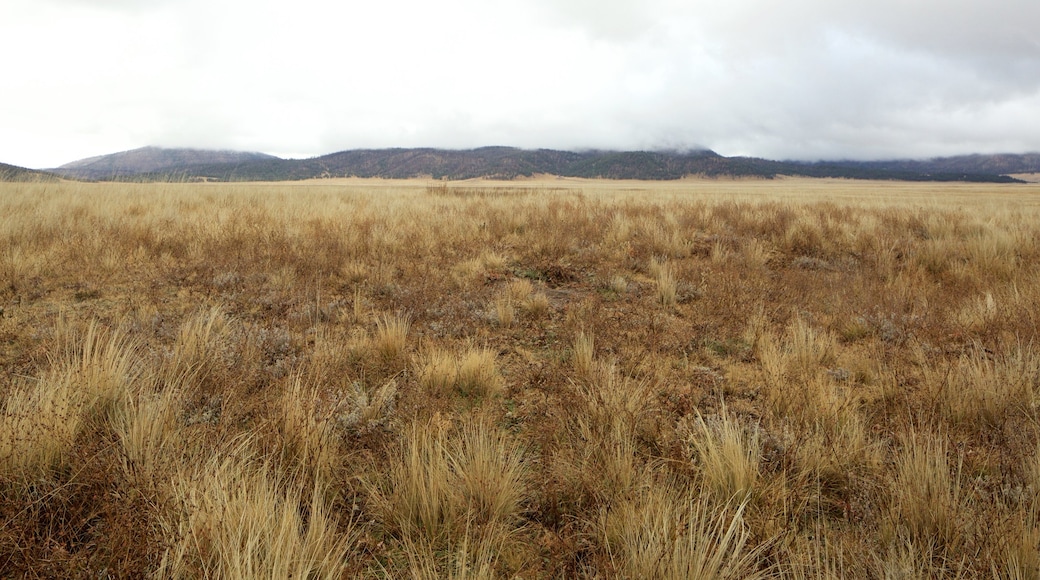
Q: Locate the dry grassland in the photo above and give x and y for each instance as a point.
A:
(536, 379)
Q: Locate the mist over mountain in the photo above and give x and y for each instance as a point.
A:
(156, 163)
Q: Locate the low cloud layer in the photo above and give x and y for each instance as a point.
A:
(804, 79)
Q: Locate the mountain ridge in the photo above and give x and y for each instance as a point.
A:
(157, 163)
(151, 160)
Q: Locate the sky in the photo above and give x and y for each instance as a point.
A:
(791, 79)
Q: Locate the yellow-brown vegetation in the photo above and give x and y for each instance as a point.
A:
(692, 379)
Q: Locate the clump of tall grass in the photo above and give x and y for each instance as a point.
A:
(505, 312)
(981, 389)
(668, 534)
(101, 364)
(478, 374)
(236, 519)
(612, 400)
(391, 338)
(791, 369)
(38, 426)
(149, 434)
(927, 502)
(469, 558)
(438, 483)
(490, 470)
(667, 287)
(90, 378)
(307, 426)
(438, 370)
(727, 454)
(519, 290)
(196, 354)
(536, 304)
(584, 350)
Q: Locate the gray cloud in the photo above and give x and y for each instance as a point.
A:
(797, 79)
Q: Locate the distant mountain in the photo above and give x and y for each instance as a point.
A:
(152, 160)
(15, 173)
(152, 164)
(998, 164)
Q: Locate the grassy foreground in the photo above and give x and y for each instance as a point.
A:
(696, 379)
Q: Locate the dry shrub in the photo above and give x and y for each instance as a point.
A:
(361, 408)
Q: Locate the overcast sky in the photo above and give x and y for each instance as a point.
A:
(791, 79)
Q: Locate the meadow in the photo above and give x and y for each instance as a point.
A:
(548, 378)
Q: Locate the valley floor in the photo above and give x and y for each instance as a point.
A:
(540, 378)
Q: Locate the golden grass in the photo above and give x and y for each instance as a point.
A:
(477, 373)
(584, 350)
(235, 520)
(728, 455)
(668, 536)
(538, 379)
(39, 426)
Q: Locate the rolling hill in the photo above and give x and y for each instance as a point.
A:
(15, 173)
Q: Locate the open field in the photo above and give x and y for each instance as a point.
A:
(540, 378)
